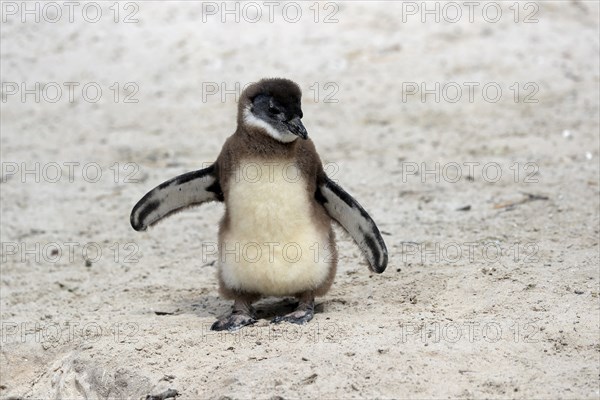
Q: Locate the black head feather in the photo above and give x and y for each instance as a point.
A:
(275, 108)
(286, 93)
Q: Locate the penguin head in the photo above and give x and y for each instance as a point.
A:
(272, 107)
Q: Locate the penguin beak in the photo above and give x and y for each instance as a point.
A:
(295, 126)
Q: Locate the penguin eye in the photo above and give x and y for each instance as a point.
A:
(273, 110)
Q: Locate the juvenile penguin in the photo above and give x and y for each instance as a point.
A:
(276, 236)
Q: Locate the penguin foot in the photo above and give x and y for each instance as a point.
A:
(233, 322)
(241, 315)
(302, 314)
(299, 317)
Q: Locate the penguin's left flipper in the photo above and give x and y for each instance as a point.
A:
(192, 188)
(355, 220)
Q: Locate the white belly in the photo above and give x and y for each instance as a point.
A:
(272, 245)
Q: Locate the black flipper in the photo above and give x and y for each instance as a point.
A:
(185, 190)
(356, 221)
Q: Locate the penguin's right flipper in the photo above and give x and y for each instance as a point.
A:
(192, 188)
(356, 221)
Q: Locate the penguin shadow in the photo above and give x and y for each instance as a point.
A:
(272, 307)
(212, 306)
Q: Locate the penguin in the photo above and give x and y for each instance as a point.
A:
(276, 236)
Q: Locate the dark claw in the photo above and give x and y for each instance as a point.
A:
(232, 322)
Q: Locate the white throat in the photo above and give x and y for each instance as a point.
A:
(251, 120)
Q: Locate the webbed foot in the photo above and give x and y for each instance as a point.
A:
(243, 314)
(301, 315)
(233, 322)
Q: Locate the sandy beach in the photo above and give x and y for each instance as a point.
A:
(469, 132)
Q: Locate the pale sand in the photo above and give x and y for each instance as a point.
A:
(523, 325)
